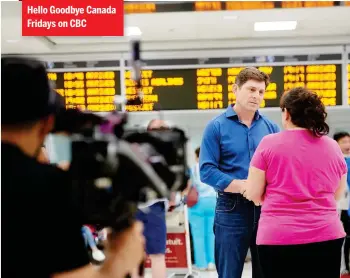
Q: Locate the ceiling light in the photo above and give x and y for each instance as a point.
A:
(132, 31)
(275, 26)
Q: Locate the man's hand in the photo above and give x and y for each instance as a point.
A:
(125, 252)
(235, 186)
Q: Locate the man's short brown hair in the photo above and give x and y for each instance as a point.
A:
(251, 73)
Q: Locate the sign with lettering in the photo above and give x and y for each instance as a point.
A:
(211, 87)
(175, 256)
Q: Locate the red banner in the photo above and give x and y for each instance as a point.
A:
(176, 256)
(72, 18)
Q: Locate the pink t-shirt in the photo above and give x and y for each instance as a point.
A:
(302, 175)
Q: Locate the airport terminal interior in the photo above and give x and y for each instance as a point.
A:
(191, 54)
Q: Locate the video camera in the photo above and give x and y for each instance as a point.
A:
(113, 169)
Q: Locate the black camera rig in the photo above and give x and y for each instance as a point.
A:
(113, 169)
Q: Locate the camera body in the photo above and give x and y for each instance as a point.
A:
(114, 169)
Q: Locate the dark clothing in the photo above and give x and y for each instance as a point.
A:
(345, 219)
(41, 229)
(320, 259)
(235, 228)
(154, 228)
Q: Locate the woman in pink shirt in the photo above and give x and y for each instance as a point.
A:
(297, 175)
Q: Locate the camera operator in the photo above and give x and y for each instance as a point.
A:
(37, 204)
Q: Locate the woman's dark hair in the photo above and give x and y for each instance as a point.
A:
(306, 110)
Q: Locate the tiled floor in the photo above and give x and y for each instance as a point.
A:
(247, 273)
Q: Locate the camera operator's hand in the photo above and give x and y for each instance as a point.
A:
(125, 252)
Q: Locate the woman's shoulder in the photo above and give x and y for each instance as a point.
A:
(330, 142)
(277, 142)
(272, 138)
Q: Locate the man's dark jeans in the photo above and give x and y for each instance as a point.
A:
(235, 227)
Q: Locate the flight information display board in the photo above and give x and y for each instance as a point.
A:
(88, 90)
(211, 88)
(198, 6)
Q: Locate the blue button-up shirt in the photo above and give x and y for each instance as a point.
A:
(228, 146)
(347, 161)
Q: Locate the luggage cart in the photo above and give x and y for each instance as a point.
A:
(178, 251)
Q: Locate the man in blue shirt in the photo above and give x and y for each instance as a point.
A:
(228, 144)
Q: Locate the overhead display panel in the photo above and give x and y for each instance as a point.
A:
(263, 59)
(88, 90)
(82, 64)
(198, 6)
(211, 87)
(193, 84)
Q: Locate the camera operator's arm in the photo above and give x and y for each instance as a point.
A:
(124, 253)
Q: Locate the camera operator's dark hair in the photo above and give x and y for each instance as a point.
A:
(197, 151)
(340, 135)
(306, 110)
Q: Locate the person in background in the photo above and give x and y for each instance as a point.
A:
(343, 140)
(201, 217)
(96, 253)
(298, 175)
(152, 215)
(228, 144)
